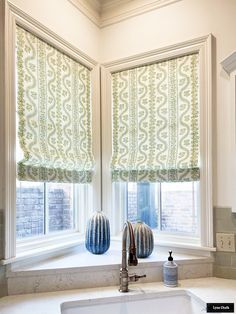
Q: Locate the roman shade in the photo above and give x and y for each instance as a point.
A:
(155, 113)
(54, 113)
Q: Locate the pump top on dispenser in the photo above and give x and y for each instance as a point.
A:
(170, 272)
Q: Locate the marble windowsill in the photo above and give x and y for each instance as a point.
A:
(84, 260)
(39, 251)
(210, 290)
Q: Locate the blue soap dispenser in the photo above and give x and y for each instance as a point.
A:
(170, 272)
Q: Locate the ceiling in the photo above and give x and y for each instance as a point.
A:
(106, 12)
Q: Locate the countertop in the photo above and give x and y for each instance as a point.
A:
(208, 289)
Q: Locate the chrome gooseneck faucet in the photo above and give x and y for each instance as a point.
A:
(132, 259)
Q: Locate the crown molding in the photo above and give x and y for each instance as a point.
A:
(109, 4)
(95, 4)
(121, 10)
(107, 12)
(90, 8)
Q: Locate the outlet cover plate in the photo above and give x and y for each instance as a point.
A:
(225, 242)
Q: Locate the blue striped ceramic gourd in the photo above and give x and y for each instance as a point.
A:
(143, 239)
(97, 239)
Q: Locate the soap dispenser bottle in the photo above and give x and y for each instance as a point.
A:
(170, 272)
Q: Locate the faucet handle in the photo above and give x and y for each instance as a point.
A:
(135, 277)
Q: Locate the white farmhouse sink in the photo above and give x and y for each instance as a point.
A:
(177, 302)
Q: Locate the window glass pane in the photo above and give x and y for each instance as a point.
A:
(169, 207)
(60, 206)
(179, 207)
(142, 199)
(29, 209)
(43, 208)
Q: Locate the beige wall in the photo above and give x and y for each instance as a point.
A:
(184, 20)
(63, 18)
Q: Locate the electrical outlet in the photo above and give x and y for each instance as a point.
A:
(225, 242)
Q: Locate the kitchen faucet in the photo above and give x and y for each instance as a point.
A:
(132, 259)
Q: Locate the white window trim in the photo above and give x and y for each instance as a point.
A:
(203, 46)
(229, 65)
(13, 16)
(233, 154)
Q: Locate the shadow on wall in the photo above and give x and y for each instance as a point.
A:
(3, 283)
(225, 262)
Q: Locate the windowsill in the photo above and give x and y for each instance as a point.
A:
(74, 254)
(45, 247)
(75, 241)
(81, 259)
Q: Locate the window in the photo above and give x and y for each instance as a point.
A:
(160, 147)
(46, 180)
(54, 151)
(54, 132)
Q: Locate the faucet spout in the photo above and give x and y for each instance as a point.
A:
(132, 260)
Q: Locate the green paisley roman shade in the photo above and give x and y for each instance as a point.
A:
(156, 122)
(54, 110)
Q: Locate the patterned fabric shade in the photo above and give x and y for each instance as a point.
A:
(54, 109)
(156, 122)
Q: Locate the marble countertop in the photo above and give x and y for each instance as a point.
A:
(208, 289)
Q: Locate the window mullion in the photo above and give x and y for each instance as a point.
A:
(159, 206)
(46, 209)
(119, 206)
(75, 206)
